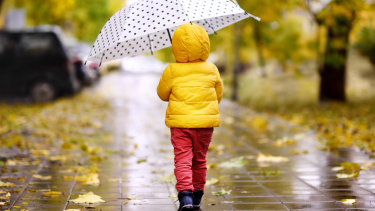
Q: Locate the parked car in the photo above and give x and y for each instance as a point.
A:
(86, 74)
(34, 63)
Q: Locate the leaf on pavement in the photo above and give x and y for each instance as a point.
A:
(141, 161)
(42, 152)
(88, 198)
(89, 179)
(166, 178)
(259, 123)
(212, 165)
(222, 192)
(270, 158)
(349, 201)
(368, 166)
(346, 176)
(285, 141)
(37, 176)
(212, 181)
(234, 163)
(134, 198)
(52, 193)
(5, 184)
(58, 158)
(338, 168)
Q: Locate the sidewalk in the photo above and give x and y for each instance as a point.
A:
(129, 179)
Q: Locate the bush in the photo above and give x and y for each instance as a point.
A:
(366, 42)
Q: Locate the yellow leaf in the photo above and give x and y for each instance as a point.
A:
(270, 158)
(88, 198)
(133, 198)
(338, 168)
(5, 184)
(58, 158)
(89, 179)
(52, 193)
(349, 201)
(285, 141)
(212, 181)
(42, 152)
(37, 176)
(259, 123)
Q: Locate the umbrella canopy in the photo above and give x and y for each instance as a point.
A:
(148, 25)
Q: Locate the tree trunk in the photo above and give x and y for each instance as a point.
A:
(258, 44)
(333, 71)
(1, 4)
(236, 51)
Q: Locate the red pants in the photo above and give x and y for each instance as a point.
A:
(190, 149)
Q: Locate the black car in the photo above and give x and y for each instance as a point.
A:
(34, 64)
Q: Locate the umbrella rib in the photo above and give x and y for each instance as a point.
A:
(210, 26)
(89, 53)
(101, 60)
(152, 53)
(169, 34)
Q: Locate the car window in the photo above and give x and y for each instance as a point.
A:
(39, 45)
(6, 49)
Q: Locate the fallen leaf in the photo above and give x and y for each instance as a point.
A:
(42, 152)
(52, 193)
(222, 192)
(259, 123)
(37, 176)
(346, 176)
(141, 161)
(349, 201)
(227, 202)
(58, 158)
(134, 198)
(285, 141)
(368, 165)
(270, 158)
(234, 163)
(166, 178)
(212, 166)
(212, 181)
(88, 198)
(338, 168)
(89, 179)
(5, 184)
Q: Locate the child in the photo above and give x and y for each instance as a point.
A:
(194, 89)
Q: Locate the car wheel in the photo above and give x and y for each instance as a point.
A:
(42, 92)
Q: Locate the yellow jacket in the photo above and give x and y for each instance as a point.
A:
(192, 86)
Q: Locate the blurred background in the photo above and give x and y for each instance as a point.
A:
(301, 53)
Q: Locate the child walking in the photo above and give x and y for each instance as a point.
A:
(194, 89)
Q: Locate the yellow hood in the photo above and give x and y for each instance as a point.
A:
(190, 43)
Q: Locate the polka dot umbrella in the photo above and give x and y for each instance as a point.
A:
(148, 25)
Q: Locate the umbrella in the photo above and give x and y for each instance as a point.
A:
(148, 25)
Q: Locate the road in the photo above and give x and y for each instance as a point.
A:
(304, 182)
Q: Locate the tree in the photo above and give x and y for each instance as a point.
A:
(86, 17)
(338, 17)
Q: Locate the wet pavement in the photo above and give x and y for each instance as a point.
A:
(129, 179)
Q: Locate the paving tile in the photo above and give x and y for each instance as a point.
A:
(313, 205)
(269, 206)
(305, 198)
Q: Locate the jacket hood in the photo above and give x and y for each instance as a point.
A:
(190, 43)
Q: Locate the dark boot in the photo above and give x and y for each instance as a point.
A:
(186, 200)
(197, 200)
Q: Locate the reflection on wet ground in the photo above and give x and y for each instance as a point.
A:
(305, 182)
